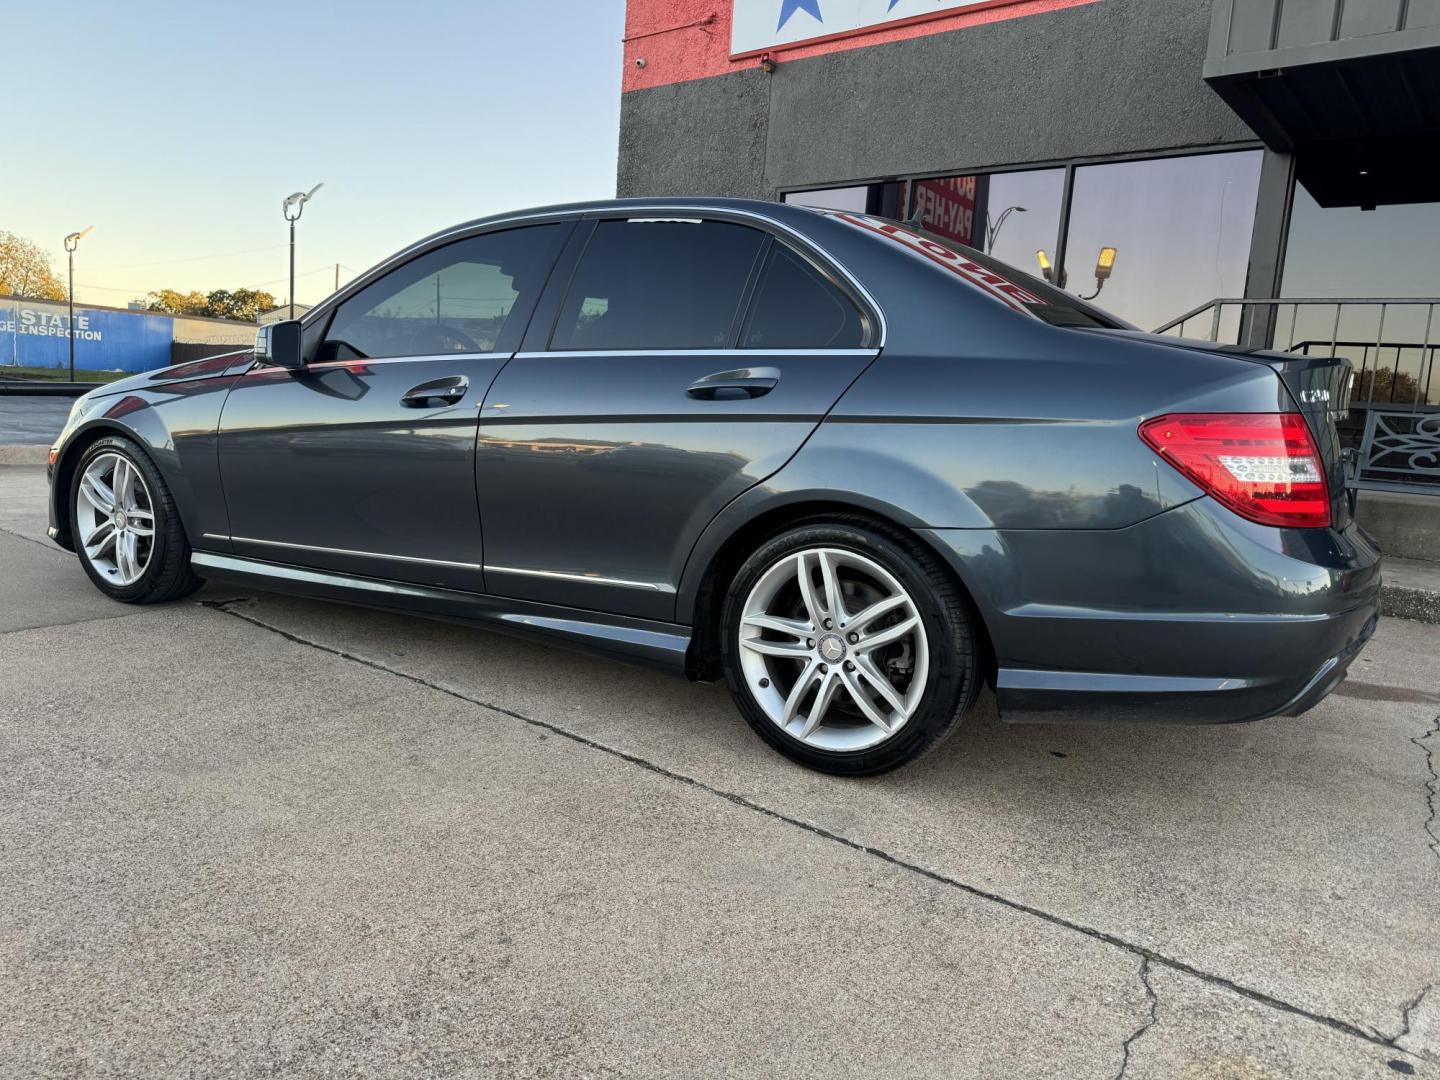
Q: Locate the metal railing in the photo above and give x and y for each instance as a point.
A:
(1395, 393)
(1262, 324)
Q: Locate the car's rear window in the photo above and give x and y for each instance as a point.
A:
(1013, 287)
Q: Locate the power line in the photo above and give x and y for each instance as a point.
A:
(195, 258)
(329, 268)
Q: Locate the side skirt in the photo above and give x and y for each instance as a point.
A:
(660, 645)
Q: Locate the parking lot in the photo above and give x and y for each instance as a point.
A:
(247, 835)
(33, 421)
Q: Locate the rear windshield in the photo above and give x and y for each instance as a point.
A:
(1014, 287)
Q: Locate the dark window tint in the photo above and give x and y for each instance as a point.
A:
(796, 308)
(456, 299)
(658, 285)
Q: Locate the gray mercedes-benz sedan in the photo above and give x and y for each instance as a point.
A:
(851, 468)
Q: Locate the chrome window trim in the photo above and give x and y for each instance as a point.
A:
(323, 309)
(261, 366)
(357, 554)
(589, 579)
(749, 354)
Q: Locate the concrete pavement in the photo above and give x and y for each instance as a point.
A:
(246, 835)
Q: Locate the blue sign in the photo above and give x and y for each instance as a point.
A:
(36, 334)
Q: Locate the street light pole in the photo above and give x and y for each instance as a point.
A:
(292, 208)
(996, 226)
(292, 264)
(71, 243)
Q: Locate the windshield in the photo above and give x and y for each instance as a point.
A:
(1003, 282)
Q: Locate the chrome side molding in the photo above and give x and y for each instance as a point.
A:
(638, 641)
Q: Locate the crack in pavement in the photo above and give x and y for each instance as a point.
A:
(1146, 954)
(31, 540)
(1150, 1021)
(1432, 786)
(74, 622)
(1410, 1007)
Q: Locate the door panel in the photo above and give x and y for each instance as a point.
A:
(328, 467)
(364, 461)
(597, 471)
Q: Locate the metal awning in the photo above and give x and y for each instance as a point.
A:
(1351, 87)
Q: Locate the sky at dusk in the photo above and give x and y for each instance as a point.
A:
(176, 129)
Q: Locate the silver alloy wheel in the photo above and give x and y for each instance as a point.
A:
(115, 519)
(818, 634)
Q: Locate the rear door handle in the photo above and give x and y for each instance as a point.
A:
(735, 385)
(434, 395)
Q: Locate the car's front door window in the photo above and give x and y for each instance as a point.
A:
(455, 299)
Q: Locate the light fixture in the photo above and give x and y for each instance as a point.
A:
(292, 208)
(1046, 270)
(1105, 265)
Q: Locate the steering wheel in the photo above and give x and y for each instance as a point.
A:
(442, 339)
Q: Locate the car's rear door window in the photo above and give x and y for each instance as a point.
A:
(658, 284)
(796, 308)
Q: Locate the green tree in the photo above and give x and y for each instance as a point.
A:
(176, 303)
(25, 270)
(244, 305)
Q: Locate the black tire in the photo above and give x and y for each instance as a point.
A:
(953, 679)
(168, 575)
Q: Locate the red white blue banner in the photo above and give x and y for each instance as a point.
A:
(766, 24)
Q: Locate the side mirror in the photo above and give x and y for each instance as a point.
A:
(280, 344)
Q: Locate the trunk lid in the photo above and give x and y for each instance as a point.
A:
(1320, 388)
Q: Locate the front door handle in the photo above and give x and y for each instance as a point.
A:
(437, 394)
(735, 385)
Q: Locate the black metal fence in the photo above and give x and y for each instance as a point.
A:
(1394, 418)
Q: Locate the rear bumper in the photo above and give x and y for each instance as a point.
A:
(1194, 616)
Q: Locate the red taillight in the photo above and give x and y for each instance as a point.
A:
(1264, 466)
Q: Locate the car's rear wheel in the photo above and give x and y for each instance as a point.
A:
(126, 529)
(848, 648)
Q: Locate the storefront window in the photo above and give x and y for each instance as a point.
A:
(853, 199)
(1009, 215)
(885, 199)
(1180, 229)
(1353, 253)
(1148, 240)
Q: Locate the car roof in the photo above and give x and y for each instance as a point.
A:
(761, 207)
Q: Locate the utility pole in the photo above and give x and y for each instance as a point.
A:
(337, 277)
(71, 243)
(292, 208)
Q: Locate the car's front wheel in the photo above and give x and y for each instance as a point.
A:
(848, 648)
(126, 529)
